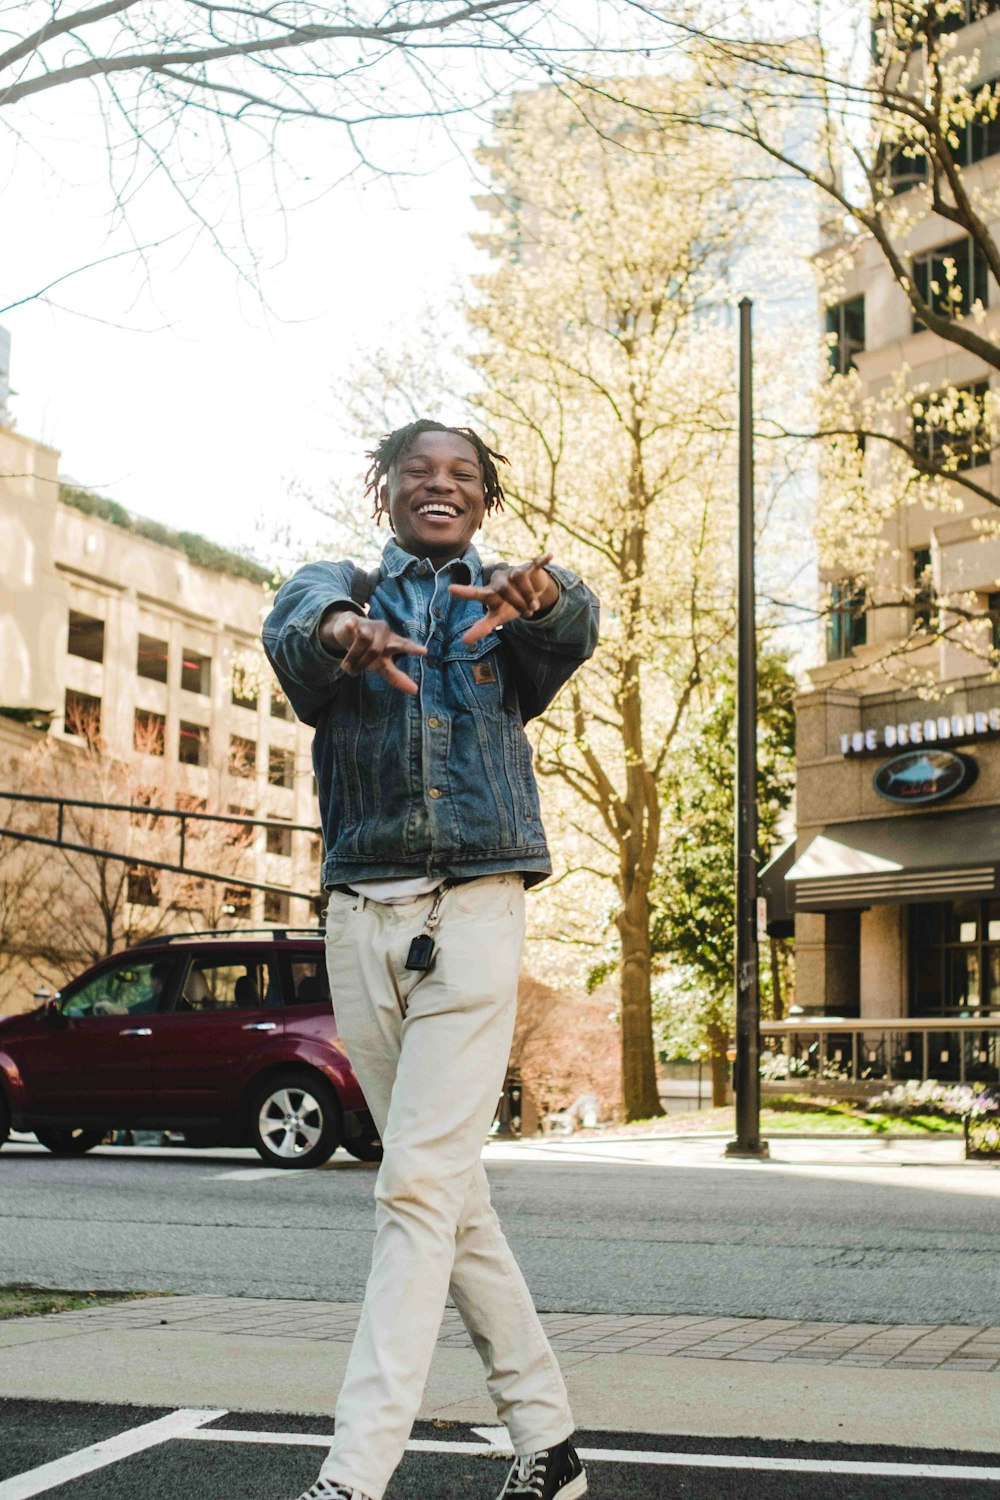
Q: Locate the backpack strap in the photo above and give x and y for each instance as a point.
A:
(363, 584)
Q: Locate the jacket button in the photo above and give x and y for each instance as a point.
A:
(434, 792)
(434, 722)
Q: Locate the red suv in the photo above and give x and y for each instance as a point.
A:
(229, 1037)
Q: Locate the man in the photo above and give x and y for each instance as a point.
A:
(432, 830)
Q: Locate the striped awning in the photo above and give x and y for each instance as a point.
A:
(912, 857)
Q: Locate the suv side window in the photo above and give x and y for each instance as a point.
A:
(129, 989)
(226, 982)
(306, 979)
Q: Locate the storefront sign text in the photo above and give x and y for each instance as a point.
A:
(943, 729)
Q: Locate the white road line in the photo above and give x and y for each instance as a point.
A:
(251, 1174)
(632, 1456)
(109, 1451)
(497, 1437)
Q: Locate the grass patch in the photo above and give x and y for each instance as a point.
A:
(796, 1114)
(21, 1301)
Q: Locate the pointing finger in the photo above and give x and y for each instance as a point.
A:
(398, 645)
(397, 679)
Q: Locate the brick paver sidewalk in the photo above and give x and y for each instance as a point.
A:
(767, 1340)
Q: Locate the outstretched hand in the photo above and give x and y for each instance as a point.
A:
(370, 646)
(512, 593)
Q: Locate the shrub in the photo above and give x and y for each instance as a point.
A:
(950, 1101)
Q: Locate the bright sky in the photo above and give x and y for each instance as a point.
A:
(203, 419)
(178, 393)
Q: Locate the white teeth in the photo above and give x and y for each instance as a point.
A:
(438, 510)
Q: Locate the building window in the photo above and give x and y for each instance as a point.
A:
(900, 166)
(239, 834)
(237, 901)
(143, 796)
(196, 672)
(276, 906)
(244, 688)
(152, 658)
(279, 841)
(192, 744)
(149, 735)
(242, 756)
(845, 324)
(923, 594)
(993, 609)
(280, 767)
(280, 706)
(86, 636)
(962, 14)
(925, 20)
(951, 278)
(142, 886)
(979, 138)
(955, 958)
(950, 432)
(847, 619)
(82, 715)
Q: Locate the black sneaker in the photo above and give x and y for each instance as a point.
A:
(543, 1476)
(325, 1489)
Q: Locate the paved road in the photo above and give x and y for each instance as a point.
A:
(665, 1229)
(157, 1454)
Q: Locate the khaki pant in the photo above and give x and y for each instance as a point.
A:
(430, 1051)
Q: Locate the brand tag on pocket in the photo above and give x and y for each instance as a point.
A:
(482, 672)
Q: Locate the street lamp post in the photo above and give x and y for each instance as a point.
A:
(747, 1069)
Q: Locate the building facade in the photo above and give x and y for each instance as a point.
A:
(113, 637)
(892, 883)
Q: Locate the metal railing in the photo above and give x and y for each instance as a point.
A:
(141, 810)
(829, 1054)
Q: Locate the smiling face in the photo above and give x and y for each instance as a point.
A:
(435, 496)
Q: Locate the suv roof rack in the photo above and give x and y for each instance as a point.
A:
(276, 933)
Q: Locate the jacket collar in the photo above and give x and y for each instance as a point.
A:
(396, 562)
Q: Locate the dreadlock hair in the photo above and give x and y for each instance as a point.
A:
(395, 445)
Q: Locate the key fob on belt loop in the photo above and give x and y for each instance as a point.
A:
(421, 952)
(422, 947)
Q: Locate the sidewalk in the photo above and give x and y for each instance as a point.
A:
(698, 1376)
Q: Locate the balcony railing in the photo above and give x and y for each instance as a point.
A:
(821, 1054)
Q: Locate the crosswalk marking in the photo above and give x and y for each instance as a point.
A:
(108, 1451)
(190, 1425)
(645, 1457)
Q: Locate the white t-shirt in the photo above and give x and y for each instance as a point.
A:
(395, 892)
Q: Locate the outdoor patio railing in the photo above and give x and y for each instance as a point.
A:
(817, 1053)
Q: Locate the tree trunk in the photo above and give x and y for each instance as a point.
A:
(718, 1041)
(779, 1003)
(640, 1095)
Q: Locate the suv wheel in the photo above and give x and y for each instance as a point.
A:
(69, 1141)
(4, 1118)
(294, 1120)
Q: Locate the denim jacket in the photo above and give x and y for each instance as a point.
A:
(441, 782)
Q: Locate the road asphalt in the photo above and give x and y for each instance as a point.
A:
(229, 1399)
(92, 1452)
(855, 1231)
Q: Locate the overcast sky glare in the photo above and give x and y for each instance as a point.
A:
(168, 384)
(182, 395)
